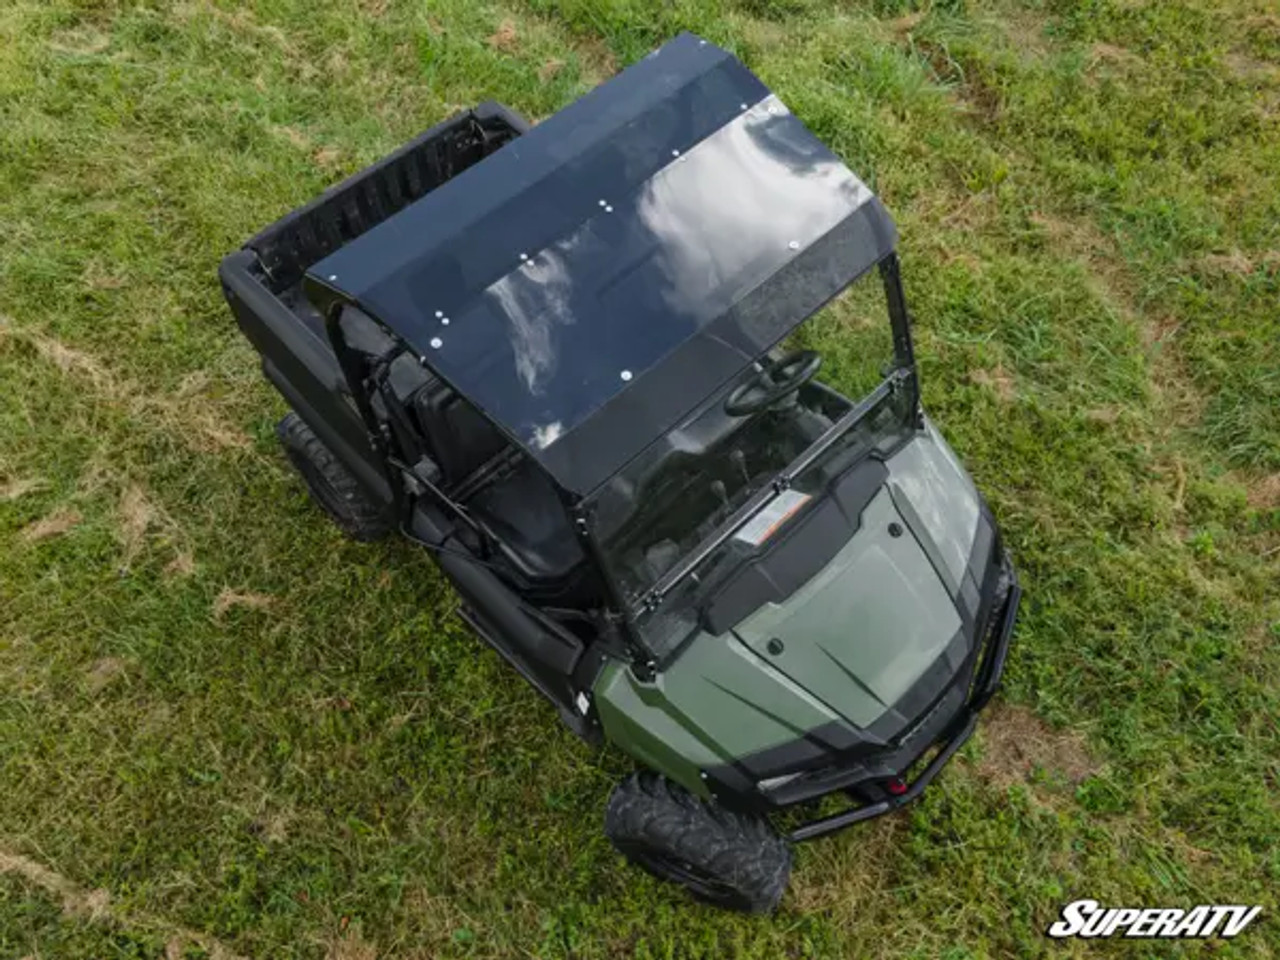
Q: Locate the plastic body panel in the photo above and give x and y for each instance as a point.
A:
(301, 365)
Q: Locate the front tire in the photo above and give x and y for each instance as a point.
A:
(730, 859)
(330, 483)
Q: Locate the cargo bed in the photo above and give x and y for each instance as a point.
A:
(262, 281)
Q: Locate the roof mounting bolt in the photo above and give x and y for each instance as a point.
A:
(702, 43)
(524, 257)
(794, 244)
(675, 153)
(436, 343)
(603, 203)
(702, 774)
(625, 375)
(444, 321)
(608, 209)
(439, 314)
(743, 106)
(333, 276)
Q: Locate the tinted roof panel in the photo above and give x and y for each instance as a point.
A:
(547, 345)
(598, 248)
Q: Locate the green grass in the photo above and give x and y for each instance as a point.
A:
(30, 918)
(230, 719)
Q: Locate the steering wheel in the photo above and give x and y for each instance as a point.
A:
(768, 386)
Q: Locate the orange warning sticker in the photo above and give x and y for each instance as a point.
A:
(771, 517)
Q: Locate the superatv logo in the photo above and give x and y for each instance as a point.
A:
(1087, 918)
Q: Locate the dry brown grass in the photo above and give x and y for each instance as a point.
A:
(350, 945)
(53, 525)
(599, 63)
(229, 599)
(19, 487)
(97, 906)
(505, 39)
(550, 70)
(190, 413)
(103, 673)
(998, 380)
(1016, 743)
(137, 514)
(183, 564)
(1264, 492)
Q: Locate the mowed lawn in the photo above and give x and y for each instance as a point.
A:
(225, 731)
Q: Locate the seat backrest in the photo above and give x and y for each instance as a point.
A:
(459, 437)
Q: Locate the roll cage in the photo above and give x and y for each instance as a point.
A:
(410, 472)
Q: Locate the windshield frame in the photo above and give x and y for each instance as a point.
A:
(902, 376)
(781, 481)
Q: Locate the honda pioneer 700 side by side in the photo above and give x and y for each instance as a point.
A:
(569, 361)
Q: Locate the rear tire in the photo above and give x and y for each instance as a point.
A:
(330, 483)
(730, 859)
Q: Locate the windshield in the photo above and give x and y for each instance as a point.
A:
(716, 470)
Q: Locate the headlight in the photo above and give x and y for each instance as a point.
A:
(773, 783)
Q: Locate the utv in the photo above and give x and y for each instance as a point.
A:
(553, 356)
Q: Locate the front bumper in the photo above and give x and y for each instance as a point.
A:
(872, 765)
(985, 682)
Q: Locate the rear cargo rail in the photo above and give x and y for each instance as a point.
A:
(287, 248)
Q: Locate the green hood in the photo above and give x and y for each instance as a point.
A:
(853, 639)
(866, 627)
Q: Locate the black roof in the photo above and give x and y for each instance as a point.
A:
(596, 279)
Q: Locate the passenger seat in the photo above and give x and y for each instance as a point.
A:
(523, 511)
(460, 439)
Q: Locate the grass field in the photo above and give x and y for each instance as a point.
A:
(225, 731)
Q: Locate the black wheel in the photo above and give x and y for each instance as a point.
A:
(330, 483)
(730, 859)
